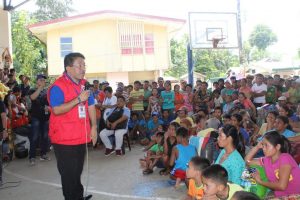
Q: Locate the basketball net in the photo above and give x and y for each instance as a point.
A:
(216, 41)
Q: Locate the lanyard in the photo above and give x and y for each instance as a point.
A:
(69, 78)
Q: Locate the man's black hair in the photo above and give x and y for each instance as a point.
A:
(200, 163)
(122, 97)
(182, 132)
(108, 89)
(217, 174)
(137, 82)
(69, 59)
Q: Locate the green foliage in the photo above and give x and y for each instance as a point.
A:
(26, 48)
(52, 9)
(178, 58)
(246, 51)
(262, 37)
(29, 53)
(212, 63)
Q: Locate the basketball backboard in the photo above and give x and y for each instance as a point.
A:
(213, 30)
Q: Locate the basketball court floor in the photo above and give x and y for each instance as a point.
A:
(108, 178)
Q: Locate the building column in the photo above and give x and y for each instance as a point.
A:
(5, 33)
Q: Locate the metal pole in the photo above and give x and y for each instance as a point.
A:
(190, 65)
(239, 30)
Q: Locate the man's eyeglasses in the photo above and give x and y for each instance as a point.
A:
(80, 66)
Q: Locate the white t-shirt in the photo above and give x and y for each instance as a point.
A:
(257, 89)
(109, 102)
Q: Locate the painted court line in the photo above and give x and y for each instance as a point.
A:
(90, 191)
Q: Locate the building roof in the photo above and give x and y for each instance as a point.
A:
(40, 29)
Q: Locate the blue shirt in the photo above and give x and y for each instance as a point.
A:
(151, 125)
(168, 98)
(234, 164)
(245, 136)
(57, 97)
(185, 154)
(288, 133)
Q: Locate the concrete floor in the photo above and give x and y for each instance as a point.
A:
(110, 178)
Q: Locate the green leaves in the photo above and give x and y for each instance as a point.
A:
(212, 63)
(262, 37)
(26, 48)
(29, 53)
(52, 9)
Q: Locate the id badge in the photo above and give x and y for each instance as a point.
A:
(81, 111)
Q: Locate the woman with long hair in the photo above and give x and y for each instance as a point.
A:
(281, 169)
(231, 155)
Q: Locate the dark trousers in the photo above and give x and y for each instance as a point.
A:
(70, 160)
(39, 132)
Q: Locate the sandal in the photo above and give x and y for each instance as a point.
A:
(163, 172)
(147, 171)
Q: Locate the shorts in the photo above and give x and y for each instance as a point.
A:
(179, 173)
(160, 164)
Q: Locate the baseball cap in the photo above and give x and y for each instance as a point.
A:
(154, 114)
(282, 98)
(39, 76)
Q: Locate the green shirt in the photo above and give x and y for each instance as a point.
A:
(147, 94)
(156, 148)
(271, 95)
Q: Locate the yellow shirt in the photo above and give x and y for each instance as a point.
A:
(233, 188)
(195, 191)
(137, 105)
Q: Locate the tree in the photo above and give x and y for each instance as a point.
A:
(214, 63)
(26, 48)
(178, 57)
(262, 37)
(208, 62)
(52, 9)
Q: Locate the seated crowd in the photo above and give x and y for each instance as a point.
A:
(206, 139)
(203, 139)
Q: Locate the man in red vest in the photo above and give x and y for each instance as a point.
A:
(72, 124)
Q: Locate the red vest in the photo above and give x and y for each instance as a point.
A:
(68, 128)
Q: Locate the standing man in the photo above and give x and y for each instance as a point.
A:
(70, 129)
(259, 91)
(39, 119)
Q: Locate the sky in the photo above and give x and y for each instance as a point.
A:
(282, 16)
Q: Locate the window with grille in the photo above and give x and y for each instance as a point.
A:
(66, 46)
(149, 43)
(131, 36)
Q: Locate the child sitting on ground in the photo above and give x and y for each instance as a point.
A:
(193, 173)
(182, 153)
(215, 184)
(169, 143)
(154, 154)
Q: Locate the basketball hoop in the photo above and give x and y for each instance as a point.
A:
(216, 41)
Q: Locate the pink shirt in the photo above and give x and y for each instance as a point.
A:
(272, 170)
(187, 103)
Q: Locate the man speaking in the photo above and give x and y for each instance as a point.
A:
(72, 110)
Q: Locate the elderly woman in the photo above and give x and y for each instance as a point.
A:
(230, 157)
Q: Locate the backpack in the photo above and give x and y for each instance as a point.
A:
(114, 116)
